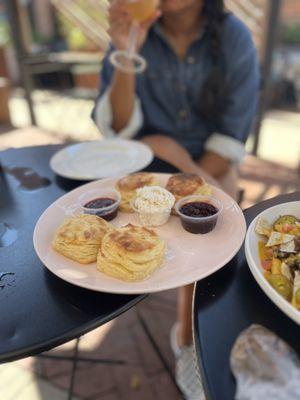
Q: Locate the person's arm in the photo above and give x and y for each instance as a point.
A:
(118, 108)
(112, 114)
(226, 146)
(214, 164)
(122, 99)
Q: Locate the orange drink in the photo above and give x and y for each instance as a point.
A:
(141, 10)
(128, 60)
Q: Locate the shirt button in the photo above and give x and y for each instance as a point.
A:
(183, 114)
(191, 60)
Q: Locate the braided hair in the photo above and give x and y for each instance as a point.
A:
(212, 95)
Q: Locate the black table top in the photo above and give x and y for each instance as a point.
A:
(227, 303)
(38, 310)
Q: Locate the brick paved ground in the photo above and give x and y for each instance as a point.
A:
(143, 376)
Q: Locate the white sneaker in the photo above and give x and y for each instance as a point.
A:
(186, 373)
(173, 340)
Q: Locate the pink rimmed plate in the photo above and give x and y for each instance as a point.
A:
(189, 257)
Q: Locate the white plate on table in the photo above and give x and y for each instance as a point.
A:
(101, 159)
(189, 257)
(252, 256)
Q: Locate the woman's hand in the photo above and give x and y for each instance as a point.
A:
(120, 23)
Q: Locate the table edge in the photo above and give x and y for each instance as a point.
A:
(259, 206)
(66, 337)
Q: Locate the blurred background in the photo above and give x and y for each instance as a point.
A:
(50, 59)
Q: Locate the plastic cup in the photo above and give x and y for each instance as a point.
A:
(199, 224)
(108, 212)
(156, 218)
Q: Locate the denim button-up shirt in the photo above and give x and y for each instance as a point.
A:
(170, 89)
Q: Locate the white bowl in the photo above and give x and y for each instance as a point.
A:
(251, 251)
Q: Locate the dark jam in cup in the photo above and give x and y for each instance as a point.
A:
(201, 216)
(108, 213)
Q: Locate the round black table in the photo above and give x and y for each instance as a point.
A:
(228, 302)
(38, 310)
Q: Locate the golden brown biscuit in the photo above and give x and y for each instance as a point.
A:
(132, 244)
(131, 253)
(79, 237)
(127, 187)
(182, 185)
(118, 271)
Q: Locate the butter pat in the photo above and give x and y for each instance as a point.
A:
(154, 205)
(153, 199)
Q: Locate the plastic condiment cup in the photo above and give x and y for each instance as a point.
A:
(154, 218)
(194, 224)
(107, 212)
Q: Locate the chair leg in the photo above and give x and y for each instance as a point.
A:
(83, 359)
(74, 367)
(157, 350)
(75, 362)
(241, 195)
(75, 359)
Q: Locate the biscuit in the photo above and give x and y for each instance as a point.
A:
(79, 237)
(127, 188)
(130, 253)
(182, 185)
(118, 271)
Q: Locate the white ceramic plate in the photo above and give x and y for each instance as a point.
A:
(101, 159)
(189, 257)
(251, 251)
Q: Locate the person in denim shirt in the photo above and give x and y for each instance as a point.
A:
(194, 105)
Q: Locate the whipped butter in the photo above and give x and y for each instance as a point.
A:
(153, 204)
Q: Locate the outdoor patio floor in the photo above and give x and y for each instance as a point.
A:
(142, 377)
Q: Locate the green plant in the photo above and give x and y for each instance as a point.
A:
(4, 33)
(291, 33)
(74, 37)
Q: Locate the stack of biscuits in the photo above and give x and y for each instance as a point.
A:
(128, 185)
(131, 253)
(79, 237)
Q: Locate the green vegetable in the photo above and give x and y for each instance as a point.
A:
(286, 219)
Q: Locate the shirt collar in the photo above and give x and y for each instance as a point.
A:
(157, 29)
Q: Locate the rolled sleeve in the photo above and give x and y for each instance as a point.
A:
(227, 147)
(103, 118)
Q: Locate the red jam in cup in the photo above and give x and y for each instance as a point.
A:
(102, 202)
(198, 214)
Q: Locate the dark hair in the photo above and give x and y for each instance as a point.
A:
(212, 95)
